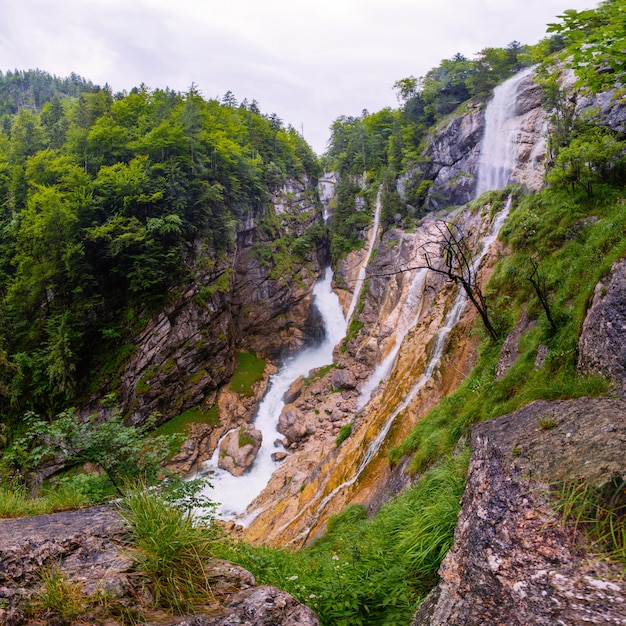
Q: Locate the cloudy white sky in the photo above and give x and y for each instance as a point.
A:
(308, 61)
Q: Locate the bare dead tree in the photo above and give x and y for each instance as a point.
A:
(538, 282)
(453, 257)
(450, 254)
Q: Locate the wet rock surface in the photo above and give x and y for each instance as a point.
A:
(513, 562)
(602, 345)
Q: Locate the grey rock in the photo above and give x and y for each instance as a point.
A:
(511, 562)
(510, 348)
(236, 458)
(602, 345)
(260, 606)
(343, 379)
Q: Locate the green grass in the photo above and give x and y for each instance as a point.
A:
(171, 552)
(179, 423)
(600, 513)
(250, 370)
(64, 496)
(370, 572)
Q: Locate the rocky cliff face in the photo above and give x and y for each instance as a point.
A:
(453, 152)
(513, 562)
(187, 350)
(401, 314)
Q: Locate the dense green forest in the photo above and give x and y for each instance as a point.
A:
(102, 197)
(103, 200)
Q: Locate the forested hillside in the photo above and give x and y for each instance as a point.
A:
(107, 202)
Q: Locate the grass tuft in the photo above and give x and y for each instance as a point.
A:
(170, 551)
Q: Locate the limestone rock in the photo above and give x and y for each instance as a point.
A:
(87, 544)
(239, 449)
(90, 547)
(511, 562)
(291, 423)
(602, 345)
(194, 451)
(259, 606)
(294, 391)
(510, 348)
(343, 379)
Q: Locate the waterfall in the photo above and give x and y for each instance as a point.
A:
(234, 494)
(370, 246)
(498, 160)
(498, 153)
(408, 318)
(450, 321)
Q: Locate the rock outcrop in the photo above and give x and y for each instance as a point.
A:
(188, 348)
(239, 449)
(90, 548)
(453, 152)
(513, 561)
(602, 344)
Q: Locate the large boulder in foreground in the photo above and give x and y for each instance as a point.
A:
(91, 549)
(512, 561)
(602, 345)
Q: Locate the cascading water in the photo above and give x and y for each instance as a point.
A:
(450, 321)
(370, 246)
(498, 158)
(408, 318)
(235, 493)
(498, 153)
(494, 173)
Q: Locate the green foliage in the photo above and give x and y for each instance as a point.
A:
(122, 452)
(244, 439)
(178, 425)
(249, 371)
(370, 572)
(599, 512)
(344, 432)
(594, 43)
(101, 199)
(170, 550)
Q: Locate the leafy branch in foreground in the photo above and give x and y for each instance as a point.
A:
(123, 453)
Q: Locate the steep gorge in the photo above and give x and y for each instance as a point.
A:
(412, 349)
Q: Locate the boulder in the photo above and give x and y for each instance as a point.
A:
(602, 345)
(291, 423)
(91, 548)
(343, 379)
(194, 451)
(512, 562)
(294, 391)
(258, 606)
(239, 449)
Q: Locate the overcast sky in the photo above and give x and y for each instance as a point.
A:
(309, 61)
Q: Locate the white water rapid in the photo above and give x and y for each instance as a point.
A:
(234, 494)
(498, 159)
(450, 321)
(498, 153)
(370, 247)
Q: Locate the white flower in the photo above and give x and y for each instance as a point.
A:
(294, 577)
